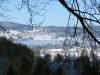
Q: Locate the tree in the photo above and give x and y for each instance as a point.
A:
(59, 58)
(11, 71)
(84, 12)
(83, 52)
(86, 16)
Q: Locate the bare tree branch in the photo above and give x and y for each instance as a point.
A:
(81, 19)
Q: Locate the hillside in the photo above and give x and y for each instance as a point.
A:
(59, 31)
(21, 30)
(47, 33)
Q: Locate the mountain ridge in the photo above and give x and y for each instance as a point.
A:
(60, 31)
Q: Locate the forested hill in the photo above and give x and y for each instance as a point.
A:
(49, 29)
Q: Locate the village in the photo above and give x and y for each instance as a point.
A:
(72, 52)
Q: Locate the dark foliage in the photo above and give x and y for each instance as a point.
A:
(59, 71)
(59, 58)
(27, 64)
(11, 71)
(42, 67)
(12, 50)
(88, 70)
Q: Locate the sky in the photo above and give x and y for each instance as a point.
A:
(56, 15)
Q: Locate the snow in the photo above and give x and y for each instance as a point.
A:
(14, 32)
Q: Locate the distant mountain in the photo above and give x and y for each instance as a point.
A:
(23, 27)
(59, 31)
(14, 26)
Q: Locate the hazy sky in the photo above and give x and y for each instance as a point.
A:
(56, 15)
